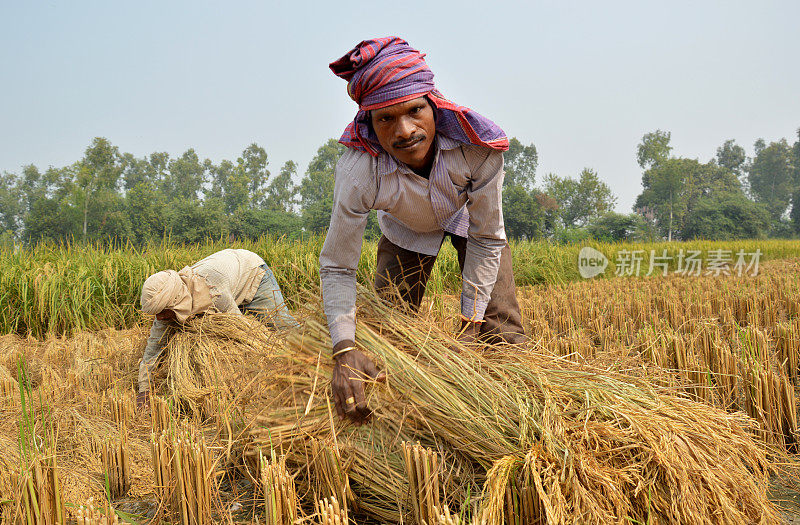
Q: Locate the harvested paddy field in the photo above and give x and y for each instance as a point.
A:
(636, 400)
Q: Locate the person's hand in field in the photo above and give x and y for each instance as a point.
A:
(351, 370)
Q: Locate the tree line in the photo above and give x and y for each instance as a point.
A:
(111, 196)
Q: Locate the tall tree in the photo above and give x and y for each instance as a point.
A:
(280, 195)
(97, 178)
(519, 164)
(795, 213)
(192, 221)
(50, 210)
(146, 209)
(654, 149)
(253, 164)
(523, 215)
(10, 204)
(185, 176)
(231, 186)
(581, 200)
(616, 227)
(771, 176)
(674, 187)
(33, 186)
(725, 216)
(732, 157)
(220, 180)
(242, 185)
(316, 188)
(796, 159)
(667, 182)
(151, 169)
(277, 215)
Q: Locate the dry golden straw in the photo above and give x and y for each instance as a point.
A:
(331, 512)
(89, 515)
(8, 387)
(39, 498)
(539, 439)
(422, 468)
(661, 400)
(330, 475)
(184, 477)
(280, 497)
(123, 409)
(160, 416)
(116, 465)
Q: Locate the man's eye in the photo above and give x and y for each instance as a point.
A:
(384, 119)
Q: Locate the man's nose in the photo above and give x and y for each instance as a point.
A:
(405, 128)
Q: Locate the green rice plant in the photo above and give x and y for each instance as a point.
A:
(64, 289)
(39, 498)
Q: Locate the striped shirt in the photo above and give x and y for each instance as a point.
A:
(463, 196)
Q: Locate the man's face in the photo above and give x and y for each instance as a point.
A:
(406, 131)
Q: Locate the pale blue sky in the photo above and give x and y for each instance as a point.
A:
(583, 81)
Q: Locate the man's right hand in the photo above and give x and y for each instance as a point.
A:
(350, 370)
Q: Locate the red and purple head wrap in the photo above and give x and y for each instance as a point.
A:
(386, 71)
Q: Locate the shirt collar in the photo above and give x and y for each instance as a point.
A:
(388, 164)
(446, 143)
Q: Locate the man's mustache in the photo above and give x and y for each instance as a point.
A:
(409, 142)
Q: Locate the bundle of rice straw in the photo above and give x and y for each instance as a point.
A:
(185, 476)
(280, 496)
(332, 513)
(521, 436)
(200, 368)
(533, 438)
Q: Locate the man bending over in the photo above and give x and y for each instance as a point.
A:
(432, 169)
(228, 281)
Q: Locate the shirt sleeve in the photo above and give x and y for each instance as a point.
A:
(353, 198)
(155, 346)
(486, 236)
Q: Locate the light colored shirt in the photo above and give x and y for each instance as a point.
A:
(232, 277)
(225, 279)
(463, 196)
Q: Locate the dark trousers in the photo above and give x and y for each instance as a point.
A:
(406, 273)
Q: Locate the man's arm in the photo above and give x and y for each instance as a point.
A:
(155, 346)
(486, 234)
(353, 197)
(352, 200)
(225, 302)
